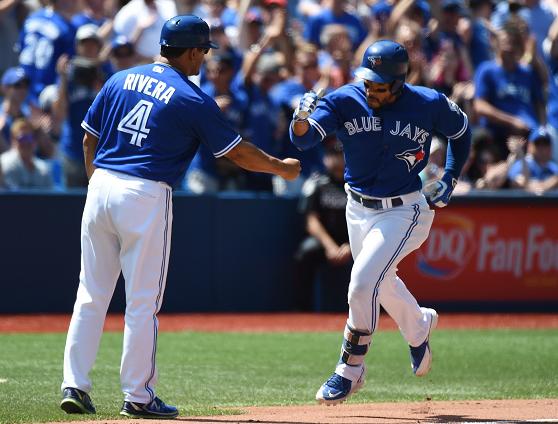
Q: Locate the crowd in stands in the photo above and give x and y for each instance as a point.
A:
(497, 60)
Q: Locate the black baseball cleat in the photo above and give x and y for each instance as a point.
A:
(76, 401)
(156, 409)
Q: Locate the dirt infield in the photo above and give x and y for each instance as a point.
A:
(257, 322)
(485, 411)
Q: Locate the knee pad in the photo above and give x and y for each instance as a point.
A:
(355, 345)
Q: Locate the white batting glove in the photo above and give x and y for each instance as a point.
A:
(307, 105)
(439, 192)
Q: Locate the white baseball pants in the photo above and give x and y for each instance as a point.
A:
(379, 240)
(126, 226)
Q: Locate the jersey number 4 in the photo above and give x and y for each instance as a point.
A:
(135, 122)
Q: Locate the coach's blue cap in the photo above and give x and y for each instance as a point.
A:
(540, 134)
(14, 75)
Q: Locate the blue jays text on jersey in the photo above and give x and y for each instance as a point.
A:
(385, 149)
(150, 121)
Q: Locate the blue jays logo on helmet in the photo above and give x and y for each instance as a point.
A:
(375, 60)
(384, 61)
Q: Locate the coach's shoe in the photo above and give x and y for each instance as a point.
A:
(421, 356)
(76, 401)
(155, 409)
(337, 389)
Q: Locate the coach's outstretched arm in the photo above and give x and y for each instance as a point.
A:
(249, 157)
(89, 147)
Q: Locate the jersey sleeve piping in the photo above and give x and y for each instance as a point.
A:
(318, 127)
(227, 149)
(462, 130)
(89, 129)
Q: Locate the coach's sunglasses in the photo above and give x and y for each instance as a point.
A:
(204, 50)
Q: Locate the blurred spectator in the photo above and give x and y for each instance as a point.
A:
(550, 48)
(450, 59)
(538, 16)
(207, 174)
(80, 80)
(89, 45)
(508, 96)
(122, 54)
(251, 27)
(536, 172)
(10, 25)
(47, 34)
(327, 244)
(409, 34)
(336, 56)
(286, 96)
(213, 11)
(93, 12)
(20, 167)
(262, 69)
(141, 22)
(15, 86)
(447, 68)
(477, 33)
(335, 12)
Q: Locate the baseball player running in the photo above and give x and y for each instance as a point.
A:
(386, 127)
(142, 131)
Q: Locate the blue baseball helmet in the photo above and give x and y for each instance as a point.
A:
(384, 61)
(186, 31)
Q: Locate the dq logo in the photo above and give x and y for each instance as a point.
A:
(448, 249)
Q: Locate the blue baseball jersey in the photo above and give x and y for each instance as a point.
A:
(45, 36)
(537, 171)
(71, 138)
(384, 149)
(513, 92)
(150, 120)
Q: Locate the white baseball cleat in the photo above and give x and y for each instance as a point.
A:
(337, 389)
(421, 356)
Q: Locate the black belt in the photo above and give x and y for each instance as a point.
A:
(374, 203)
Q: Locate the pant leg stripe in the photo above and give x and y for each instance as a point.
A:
(157, 300)
(392, 259)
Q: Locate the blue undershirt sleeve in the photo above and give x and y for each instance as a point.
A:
(308, 140)
(457, 153)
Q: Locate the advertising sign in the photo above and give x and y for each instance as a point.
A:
(487, 253)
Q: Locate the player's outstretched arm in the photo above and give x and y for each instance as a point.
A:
(307, 105)
(249, 157)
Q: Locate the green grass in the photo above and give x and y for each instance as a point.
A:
(216, 373)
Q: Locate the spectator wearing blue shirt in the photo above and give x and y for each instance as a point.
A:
(15, 87)
(81, 79)
(508, 97)
(550, 51)
(477, 33)
(335, 14)
(206, 173)
(47, 34)
(286, 96)
(536, 172)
